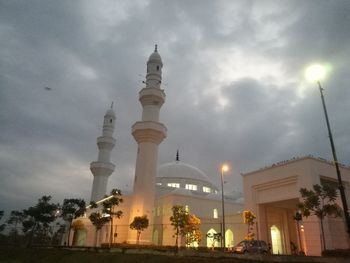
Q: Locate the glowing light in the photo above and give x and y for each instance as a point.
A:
(315, 72)
(225, 168)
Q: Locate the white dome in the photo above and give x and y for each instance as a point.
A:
(182, 170)
(110, 112)
(155, 56)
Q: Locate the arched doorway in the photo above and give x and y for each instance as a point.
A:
(212, 240)
(229, 241)
(79, 237)
(155, 237)
(276, 240)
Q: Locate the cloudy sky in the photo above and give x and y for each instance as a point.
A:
(233, 77)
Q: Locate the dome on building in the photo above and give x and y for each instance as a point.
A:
(110, 112)
(184, 176)
(155, 56)
(182, 170)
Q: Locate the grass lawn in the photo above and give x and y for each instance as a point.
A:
(55, 255)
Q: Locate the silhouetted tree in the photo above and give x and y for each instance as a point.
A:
(72, 209)
(16, 218)
(2, 226)
(139, 224)
(107, 213)
(98, 220)
(37, 219)
(321, 202)
(109, 209)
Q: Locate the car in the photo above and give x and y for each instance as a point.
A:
(251, 247)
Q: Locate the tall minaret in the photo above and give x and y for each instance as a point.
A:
(103, 168)
(148, 133)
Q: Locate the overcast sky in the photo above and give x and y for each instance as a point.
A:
(232, 74)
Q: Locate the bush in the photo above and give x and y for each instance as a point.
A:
(336, 253)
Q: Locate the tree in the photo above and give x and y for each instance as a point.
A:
(179, 220)
(185, 225)
(108, 209)
(37, 219)
(321, 202)
(249, 219)
(72, 209)
(2, 226)
(16, 217)
(215, 237)
(100, 218)
(139, 224)
(191, 230)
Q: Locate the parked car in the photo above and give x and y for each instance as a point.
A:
(252, 247)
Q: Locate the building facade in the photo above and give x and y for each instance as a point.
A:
(157, 189)
(272, 193)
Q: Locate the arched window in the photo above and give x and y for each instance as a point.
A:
(212, 240)
(276, 240)
(229, 241)
(215, 213)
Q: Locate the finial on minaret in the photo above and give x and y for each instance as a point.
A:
(155, 48)
(177, 156)
(112, 105)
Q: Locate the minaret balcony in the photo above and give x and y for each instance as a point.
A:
(149, 131)
(152, 96)
(106, 140)
(102, 168)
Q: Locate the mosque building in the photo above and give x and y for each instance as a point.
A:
(271, 193)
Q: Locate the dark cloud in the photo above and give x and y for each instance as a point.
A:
(233, 76)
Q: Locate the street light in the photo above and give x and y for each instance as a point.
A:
(224, 168)
(317, 73)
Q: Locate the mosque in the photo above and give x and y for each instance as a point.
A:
(271, 192)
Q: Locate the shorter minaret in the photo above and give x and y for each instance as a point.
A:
(103, 168)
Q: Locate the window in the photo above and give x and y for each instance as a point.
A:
(157, 68)
(175, 185)
(110, 120)
(215, 213)
(159, 184)
(192, 187)
(206, 189)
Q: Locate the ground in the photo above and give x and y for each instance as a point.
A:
(62, 255)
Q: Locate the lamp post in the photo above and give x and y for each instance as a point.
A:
(316, 73)
(224, 168)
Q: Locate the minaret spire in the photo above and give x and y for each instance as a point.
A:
(177, 156)
(155, 48)
(103, 168)
(112, 105)
(148, 133)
